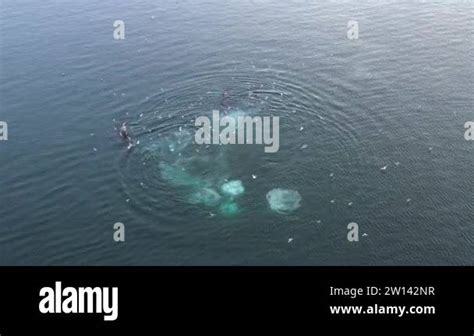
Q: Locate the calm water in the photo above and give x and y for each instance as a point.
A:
(397, 96)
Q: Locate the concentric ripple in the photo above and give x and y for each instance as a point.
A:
(168, 165)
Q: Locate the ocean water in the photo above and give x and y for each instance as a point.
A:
(398, 96)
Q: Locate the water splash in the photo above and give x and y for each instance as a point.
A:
(283, 201)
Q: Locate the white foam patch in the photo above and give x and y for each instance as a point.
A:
(284, 200)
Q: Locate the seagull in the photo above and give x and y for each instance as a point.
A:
(349, 204)
(290, 240)
(365, 235)
(254, 176)
(384, 168)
